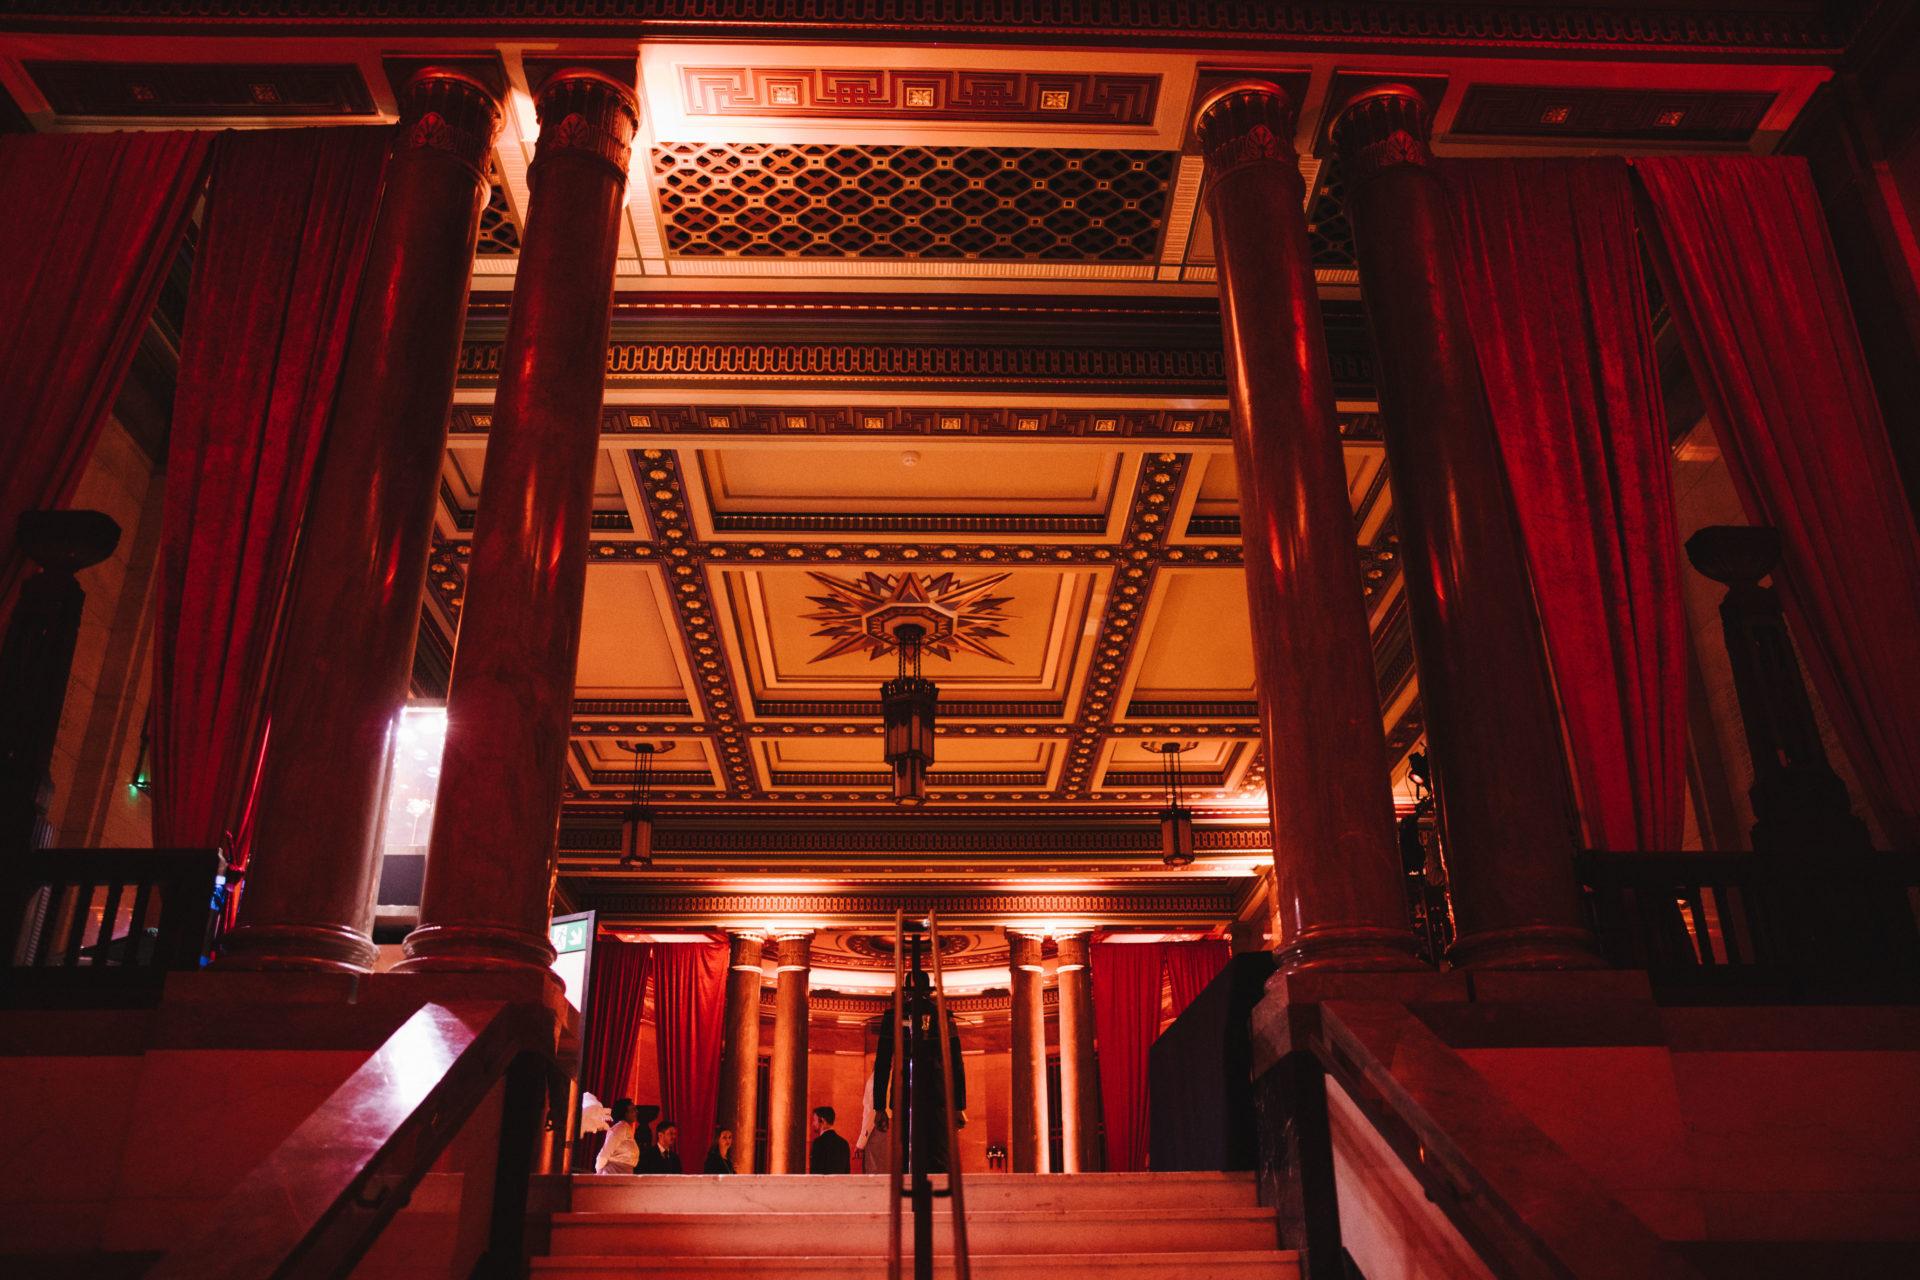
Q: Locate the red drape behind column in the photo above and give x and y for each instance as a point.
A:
(1126, 1018)
(89, 225)
(1550, 267)
(619, 992)
(689, 1010)
(279, 263)
(1754, 285)
(1191, 966)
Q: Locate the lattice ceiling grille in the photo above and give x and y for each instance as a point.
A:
(757, 200)
(499, 233)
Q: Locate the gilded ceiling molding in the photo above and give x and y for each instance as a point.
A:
(1805, 27)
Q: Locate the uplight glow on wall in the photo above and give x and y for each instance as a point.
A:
(413, 786)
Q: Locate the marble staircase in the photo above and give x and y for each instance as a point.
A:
(1193, 1226)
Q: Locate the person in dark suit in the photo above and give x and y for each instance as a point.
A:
(720, 1154)
(830, 1153)
(927, 1147)
(662, 1155)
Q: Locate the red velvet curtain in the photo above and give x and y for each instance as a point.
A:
(289, 214)
(1551, 270)
(1191, 966)
(689, 1010)
(1126, 1019)
(89, 224)
(618, 992)
(1751, 277)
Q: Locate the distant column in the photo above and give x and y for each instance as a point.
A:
(1030, 1152)
(489, 883)
(1493, 730)
(1079, 1082)
(740, 1054)
(1336, 866)
(308, 902)
(787, 1074)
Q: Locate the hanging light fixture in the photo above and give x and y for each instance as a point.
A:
(907, 705)
(1176, 821)
(636, 832)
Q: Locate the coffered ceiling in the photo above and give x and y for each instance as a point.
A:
(899, 313)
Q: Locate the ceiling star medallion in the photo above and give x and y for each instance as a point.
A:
(868, 612)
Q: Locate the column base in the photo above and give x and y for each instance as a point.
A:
(1364, 949)
(469, 948)
(313, 948)
(1540, 946)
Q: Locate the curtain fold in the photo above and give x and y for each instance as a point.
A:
(618, 994)
(1550, 266)
(1191, 966)
(289, 216)
(1126, 1019)
(690, 1010)
(1752, 280)
(89, 226)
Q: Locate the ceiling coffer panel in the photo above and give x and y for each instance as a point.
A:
(1010, 204)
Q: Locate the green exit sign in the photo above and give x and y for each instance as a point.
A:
(568, 936)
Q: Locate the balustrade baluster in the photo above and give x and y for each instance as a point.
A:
(77, 931)
(111, 909)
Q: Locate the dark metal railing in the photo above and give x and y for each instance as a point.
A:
(101, 926)
(906, 1135)
(1752, 927)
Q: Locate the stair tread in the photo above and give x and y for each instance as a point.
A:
(841, 1259)
(1252, 1213)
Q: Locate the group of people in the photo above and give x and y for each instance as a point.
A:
(622, 1151)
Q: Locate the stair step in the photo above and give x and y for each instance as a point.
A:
(1265, 1264)
(854, 1193)
(989, 1232)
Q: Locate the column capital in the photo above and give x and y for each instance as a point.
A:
(1380, 128)
(586, 112)
(1023, 949)
(446, 111)
(1073, 950)
(793, 950)
(1246, 123)
(744, 950)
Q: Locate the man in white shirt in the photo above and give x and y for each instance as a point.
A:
(620, 1150)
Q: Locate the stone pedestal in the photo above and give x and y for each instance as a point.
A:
(1336, 869)
(489, 879)
(1079, 1078)
(1493, 730)
(354, 610)
(740, 1053)
(1030, 1148)
(787, 1073)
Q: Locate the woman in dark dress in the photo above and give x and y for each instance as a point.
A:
(720, 1154)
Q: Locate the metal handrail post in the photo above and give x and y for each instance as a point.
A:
(894, 1144)
(962, 1264)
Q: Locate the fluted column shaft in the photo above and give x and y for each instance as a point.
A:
(489, 877)
(1336, 869)
(787, 1073)
(1493, 730)
(1079, 1083)
(1030, 1148)
(354, 610)
(740, 1052)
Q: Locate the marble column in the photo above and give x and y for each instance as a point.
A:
(1030, 1149)
(1336, 868)
(740, 1051)
(787, 1074)
(489, 876)
(1493, 729)
(1079, 1083)
(309, 895)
